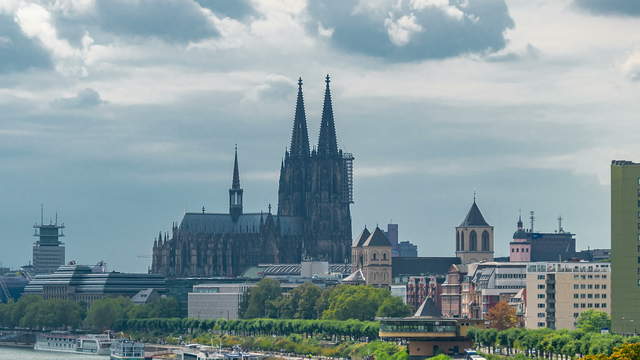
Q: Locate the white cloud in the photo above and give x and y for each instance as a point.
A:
(631, 66)
(36, 22)
(401, 30)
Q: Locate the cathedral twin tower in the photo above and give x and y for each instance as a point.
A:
(313, 219)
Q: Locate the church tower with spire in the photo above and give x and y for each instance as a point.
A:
(235, 193)
(474, 237)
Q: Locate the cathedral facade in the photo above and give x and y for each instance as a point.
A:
(313, 218)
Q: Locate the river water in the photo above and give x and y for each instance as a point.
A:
(8, 353)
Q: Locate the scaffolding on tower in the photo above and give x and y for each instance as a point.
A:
(348, 184)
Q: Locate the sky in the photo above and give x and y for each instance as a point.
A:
(119, 116)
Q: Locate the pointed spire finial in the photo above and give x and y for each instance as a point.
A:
(235, 184)
(327, 143)
(474, 196)
(299, 135)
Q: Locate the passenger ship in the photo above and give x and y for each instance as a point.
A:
(95, 344)
(127, 349)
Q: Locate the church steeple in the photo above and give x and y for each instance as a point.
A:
(299, 135)
(327, 144)
(235, 193)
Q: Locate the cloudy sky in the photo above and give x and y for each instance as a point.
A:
(122, 114)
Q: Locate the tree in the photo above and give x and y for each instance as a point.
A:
(393, 306)
(260, 299)
(502, 316)
(353, 302)
(105, 312)
(593, 321)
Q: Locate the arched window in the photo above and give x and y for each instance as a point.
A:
(461, 241)
(457, 240)
(473, 241)
(375, 256)
(384, 256)
(485, 240)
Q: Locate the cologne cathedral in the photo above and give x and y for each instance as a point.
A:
(313, 220)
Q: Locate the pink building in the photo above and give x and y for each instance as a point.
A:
(520, 247)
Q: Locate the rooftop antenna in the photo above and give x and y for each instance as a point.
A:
(532, 218)
(41, 214)
(560, 229)
(56, 218)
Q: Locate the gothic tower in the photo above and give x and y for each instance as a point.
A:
(235, 193)
(316, 186)
(293, 170)
(328, 200)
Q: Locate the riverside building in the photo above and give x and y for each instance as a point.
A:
(558, 292)
(625, 246)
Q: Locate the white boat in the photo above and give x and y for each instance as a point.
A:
(127, 349)
(60, 341)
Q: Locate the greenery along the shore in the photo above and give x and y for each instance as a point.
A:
(34, 312)
(547, 343)
(328, 329)
(309, 301)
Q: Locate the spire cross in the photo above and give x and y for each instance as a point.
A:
(474, 196)
(327, 79)
(300, 83)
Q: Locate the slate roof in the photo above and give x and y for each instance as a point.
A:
(296, 269)
(474, 217)
(377, 238)
(83, 280)
(359, 241)
(427, 308)
(356, 277)
(208, 223)
(422, 265)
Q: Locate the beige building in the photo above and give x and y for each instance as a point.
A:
(558, 292)
(371, 259)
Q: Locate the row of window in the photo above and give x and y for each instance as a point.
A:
(589, 286)
(511, 276)
(589, 305)
(518, 250)
(589, 296)
(590, 276)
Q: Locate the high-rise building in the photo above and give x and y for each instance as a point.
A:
(558, 292)
(48, 250)
(625, 246)
(474, 237)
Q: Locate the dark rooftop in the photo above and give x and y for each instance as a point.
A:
(474, 217)
(422, 265)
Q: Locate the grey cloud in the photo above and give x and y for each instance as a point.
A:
(610, 7)
(237, 9)
(18, 52)
(530, 53)
(474, 26)
(169, 20)
(84, 99)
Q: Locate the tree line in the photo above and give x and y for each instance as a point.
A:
(548, 343)
(35, 312)
(308, 301)
(330, 329)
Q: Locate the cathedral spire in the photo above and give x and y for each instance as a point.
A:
(327, 144)
(236, 173)
(300, 135)
(235, 193)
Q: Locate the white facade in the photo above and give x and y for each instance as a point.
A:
(216, 301)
